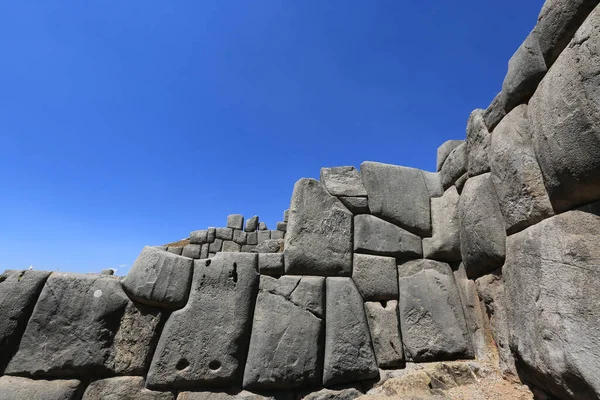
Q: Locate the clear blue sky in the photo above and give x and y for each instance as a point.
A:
(127, 123)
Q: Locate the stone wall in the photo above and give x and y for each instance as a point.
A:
(494, 257)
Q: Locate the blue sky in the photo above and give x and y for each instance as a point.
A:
(127, 123)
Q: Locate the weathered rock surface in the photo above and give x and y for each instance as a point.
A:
(495, 112)
(456, 165)
(375, 277)
(444, 151)
(343, 181)
(271, 246)
(516, 174)
(565, 116)
(17, 388)
(482, 231)
(270, 263)
(349, 355)
(19, 291)
(199, 237)
(526, 69)
(328, 394)
(251, 224)
(401, 195)
(552, 286)
(444, 243)
(233, 395)
(319, 236)
(385, 333)
(432, 321)
(373, 235)
(235, 221)
(357, 205)
(123, 387)
(159, 278)
(478, 144)
(205, 343)
(72, 328)
(286, 346)
(192, 251)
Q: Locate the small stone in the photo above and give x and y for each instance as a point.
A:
(252, 224)
(108, 271)
(385, 332)
(211, 235)
(444, 151)
(252, 238)
(224, 233)
(231, 246)
(175, 250)
(282, 226)
(215, 246)
(204, 250)
(262, 226)
(455, 166)
(270, 263)
(375, 277)
(263, 235)
(199, 237)
(248, 248)
(192, 251)
(235, 221)
(343, 181)
(373, 235)
(277, 234)
(286, 214)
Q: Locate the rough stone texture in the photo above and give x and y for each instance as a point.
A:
(240, 237)
(224, 233)
(263, 235)
(248, 248)
(107, 271)
(328, 394)
(231, 247)
(282, 226)
(286, 216)
(286, 346)
(205, 343)
(72, 328)
(557, 23)
(16, 388)
(211, 234)
(373, 235)
(319, 236)
(348, 352)
(175, 250)
(565, 116)
(252, 224)
(270, 264)
(192, 251)
(400, 195)
(19, 291)
(235, 221)
(233, 395)
(431, 315)
(385, 332)
(159, 278)
(526, 69)
(343, 181)
(444, 244)
(516, 174)
(215, 246)
(277, 234)
(495, 112)
(478, 144)
(123, 387)
(375, 277)
(444, 151)
(491, 291)
(552, 286)
(252, 238)
(204, 250)
(199, 237)
(357, 205)
(456, 165)
(262, 226)
(270, 246)
(482, 232)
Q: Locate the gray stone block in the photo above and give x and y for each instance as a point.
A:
(516, 174)
(240, 237)
(385, 333)
(252, 224)
(270, 246)
(479, 141)
(204, 250)
(123, 387)
(565, 118)
(224, 233)
(343, 181)
(270, 263)
(211, 235)
(460, 183)
(215, 246)
(192, 251)
(17, 388)
(205, 343)
(248, 248)
(252, 238)
(407, 208)
(432, 321)
(235, 221)
(107, 271)
(444, 244)
(456, 165)
(495, 112)
(286, 214)
(286, 346)
(199, 237)
(263, 235)
(444, 151)
(357, 205)
(375, 277)
(349, 355)
(231, 246)
(159, 278)
(175, 250)
(319, 236)
(277, 234)
(282, 226)
(526, 69)
(373, 235)
(262, 226)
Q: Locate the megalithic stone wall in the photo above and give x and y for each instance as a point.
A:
(494, 257)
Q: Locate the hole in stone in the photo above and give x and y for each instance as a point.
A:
(207, 263)
(383, 303)
(234, 274)
(182, 364)
(214, 365)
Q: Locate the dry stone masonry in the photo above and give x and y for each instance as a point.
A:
(494, 257)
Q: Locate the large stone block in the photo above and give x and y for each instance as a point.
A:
(431, 315)
(17, 388)
(565, 116)
(251, 224)
(401, 195)
(286, 346)
(235, 221)
(319, 236)
(199, 237)
(205, 343)
(123, 388)
(526, 69)
(270, 263)
(373, 235)
(159, 278)
(349, 355)
(192, 251)
(444, 151)
(482, 231)
(357, 205)
(516, 174)
(478, 144)
(72, 328)
(444, 243)
(375, 277)
(456, 165)
(343, 181)
(19, 291)
(385, 332)
(495, 112)
(552, 286)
